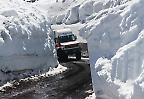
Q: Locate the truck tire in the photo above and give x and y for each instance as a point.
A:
(78, 55)
(65, 57)
(62, 56)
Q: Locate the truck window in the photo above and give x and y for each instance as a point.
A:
(67, 38)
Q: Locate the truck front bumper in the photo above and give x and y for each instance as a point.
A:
(71, 51)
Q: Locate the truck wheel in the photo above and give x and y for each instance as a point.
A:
(78, 55)
(62, 56)
(65, 57)
(59, 54)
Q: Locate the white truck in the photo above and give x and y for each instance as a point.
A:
(66, 44)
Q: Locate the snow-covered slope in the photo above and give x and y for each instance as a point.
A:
(73, 11)
(61, 12)
(25, 38)
(115, 31)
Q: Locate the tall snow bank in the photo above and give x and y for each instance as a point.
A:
(85, 10)
(106, 25)
(116, 32)
(128, 64)
(72, 16)
(25, 39)
(73, 11)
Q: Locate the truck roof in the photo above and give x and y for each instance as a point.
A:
(63, 32)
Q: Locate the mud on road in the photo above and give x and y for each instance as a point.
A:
(71, 84)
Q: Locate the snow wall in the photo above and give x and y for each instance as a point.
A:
(73, 11)
(26, 40)
(115, 34)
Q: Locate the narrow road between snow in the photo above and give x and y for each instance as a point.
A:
(75, 83)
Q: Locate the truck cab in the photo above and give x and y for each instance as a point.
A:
(66, 44)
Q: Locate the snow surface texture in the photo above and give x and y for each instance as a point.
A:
(115, 32)
(25, 39)
(61, 12)
(73, 11)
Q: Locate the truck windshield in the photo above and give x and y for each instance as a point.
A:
(67, 38)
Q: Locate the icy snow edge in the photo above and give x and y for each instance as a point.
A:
(51, 72)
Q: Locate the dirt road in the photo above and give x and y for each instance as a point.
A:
(67, 85)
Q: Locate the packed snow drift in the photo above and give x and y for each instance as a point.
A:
(26, 40)
(114, 30)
